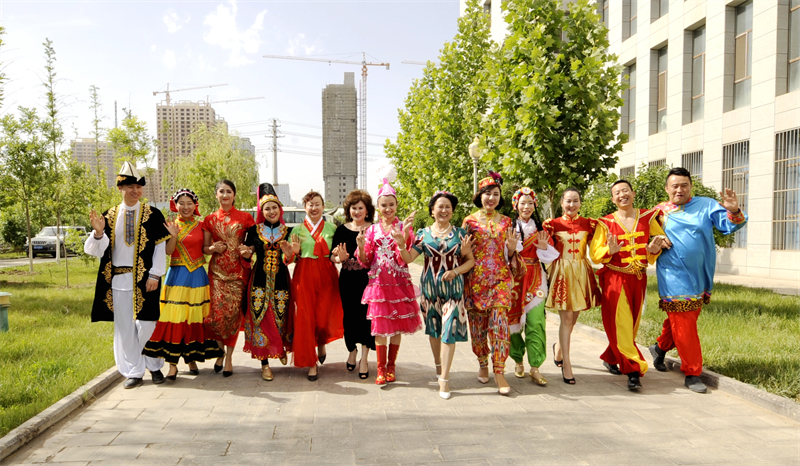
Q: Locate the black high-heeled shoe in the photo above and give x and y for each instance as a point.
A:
(172, 377)
(558, 363)
(227, 373)
(194, 371)
(363, 375)
(566, 380)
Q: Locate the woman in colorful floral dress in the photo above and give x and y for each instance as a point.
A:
(268, 308)
(228, 272)
(489, 284)
(393, 308)
(448, 256)
(353, 279)
(185, 297)
(573, 287)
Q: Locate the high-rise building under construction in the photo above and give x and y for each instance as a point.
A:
(339, 139)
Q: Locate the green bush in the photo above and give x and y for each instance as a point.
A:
(12, 228)
(648, 183)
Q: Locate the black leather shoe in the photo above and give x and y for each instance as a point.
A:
(194, 371)
(132, 383)
(158, 377)
(694, 384)
(322, 358)
(613, 368)
(227, 373)
(658, 358)
(633, 382)
(217, 368)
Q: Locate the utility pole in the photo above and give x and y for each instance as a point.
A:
(275, 137)
(115, 114)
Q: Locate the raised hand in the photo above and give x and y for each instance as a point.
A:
(408, 223)
(98, 222)
(341, 251)
(512, 239)
(730, 200)
(613, 244)
(466, 245)
(399, 237)
(173, 228)
(286, 248)
(541, 239)
(295, 244)
(361, 239)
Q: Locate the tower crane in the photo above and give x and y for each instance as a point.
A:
(184, 89)
(362, 155)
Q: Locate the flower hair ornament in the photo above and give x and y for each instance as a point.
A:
(173, 205)
(492, 179)
(524, 192)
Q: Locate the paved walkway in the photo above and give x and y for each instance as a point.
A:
(339, 419)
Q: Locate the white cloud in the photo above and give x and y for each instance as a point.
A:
(225, 33)
(169, 59)
(300, 43)
(173, 21)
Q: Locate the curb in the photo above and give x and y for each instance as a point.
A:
(777, 404)
(34, 426)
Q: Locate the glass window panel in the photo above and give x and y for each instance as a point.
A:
(741, 94)
(794, 4)
(749, 59)
(662, 60)
(697, 75)
(794, 34)
(664, 8)
(632, 105)
(794, 76)
(744, 17)
(662, 91)
(740, 68)
(699, 41)
(697, 108)
(662, 121)
(633, 16)
(632, 74)
(632, 130)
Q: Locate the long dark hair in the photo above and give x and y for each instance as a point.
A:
(537, 220)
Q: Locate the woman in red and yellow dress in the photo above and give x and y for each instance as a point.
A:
(573, 287)
(490, 282)
(184, 297)
(228, 271)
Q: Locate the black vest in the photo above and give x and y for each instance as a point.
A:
(151, 232)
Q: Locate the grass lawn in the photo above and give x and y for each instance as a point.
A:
(749, 334)
(52, 348)
(12, 255)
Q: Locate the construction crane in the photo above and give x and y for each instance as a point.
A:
(421, 63)
(362, 155)
(231, 100)
(184, 89)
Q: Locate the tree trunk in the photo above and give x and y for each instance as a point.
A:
(30, 240)
(66, 254)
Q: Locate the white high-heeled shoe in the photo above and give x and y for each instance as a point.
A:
(443, 394)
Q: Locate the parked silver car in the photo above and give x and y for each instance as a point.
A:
(45, 241)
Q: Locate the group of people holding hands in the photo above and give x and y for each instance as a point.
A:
(488, 281)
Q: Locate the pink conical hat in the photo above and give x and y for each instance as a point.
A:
(387, 189)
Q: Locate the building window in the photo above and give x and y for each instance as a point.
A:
(661, 8)
(743, 67)
(634, 15)
(627, 173)
(735, 176)
(628, 117)
(698, 72)
(603, 4)
(794, 45)
(661, 115)
(786, 205)
(629, 8)
(693, 161)
(657, 163)
(487, 7)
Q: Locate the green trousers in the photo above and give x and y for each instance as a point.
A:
(532, 337)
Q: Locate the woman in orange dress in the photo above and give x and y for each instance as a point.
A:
(228, 271)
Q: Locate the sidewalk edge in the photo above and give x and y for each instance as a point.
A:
(777, 404)
(34, 426)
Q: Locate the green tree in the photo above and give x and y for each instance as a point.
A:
(132, 143)
(442, 113)
(217, 155)
(2, 74)
(554, 97)
(23, 162)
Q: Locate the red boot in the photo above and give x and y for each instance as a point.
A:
(393, 349)
(381, 378)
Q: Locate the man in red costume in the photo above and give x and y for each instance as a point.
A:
(622, 244)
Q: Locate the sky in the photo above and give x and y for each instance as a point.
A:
(129, 49)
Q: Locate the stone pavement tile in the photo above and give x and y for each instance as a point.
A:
(415, 454)
(363, 441)
(775, 453)
(104, 453)
(267, 445)
(565, 459)
(399, 425)
(313, 430)
(584, 429)
(153, 403)
(628, 399)
(73, 425)
(104, 403)
(137, 462)
(125, 424)
(517, 422)
(623, 458)
(564, 446)
(749, 423)
(402, 440)
(273, 458)
(190, 449)
(478, 451)
(642, 427)
(68, 440)
(159, 436)
(775, 433)
(308, 457)
(100, 414)
(727, 455)
(447, 423)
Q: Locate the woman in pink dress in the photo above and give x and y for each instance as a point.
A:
(393, 307)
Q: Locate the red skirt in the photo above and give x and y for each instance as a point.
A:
(318, 311)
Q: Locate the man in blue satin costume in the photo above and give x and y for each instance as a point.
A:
(686, 268)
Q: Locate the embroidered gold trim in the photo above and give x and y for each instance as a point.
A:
(107, 272)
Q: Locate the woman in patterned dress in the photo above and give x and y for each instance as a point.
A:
(393, 308)
(353, 278)
(489, 283)
(228, 272)
(448, 256)
(268, 308)
(185, 296)
(573, 287)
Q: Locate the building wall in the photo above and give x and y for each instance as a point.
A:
(83, 151)
(339, 139)
(772, 109)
